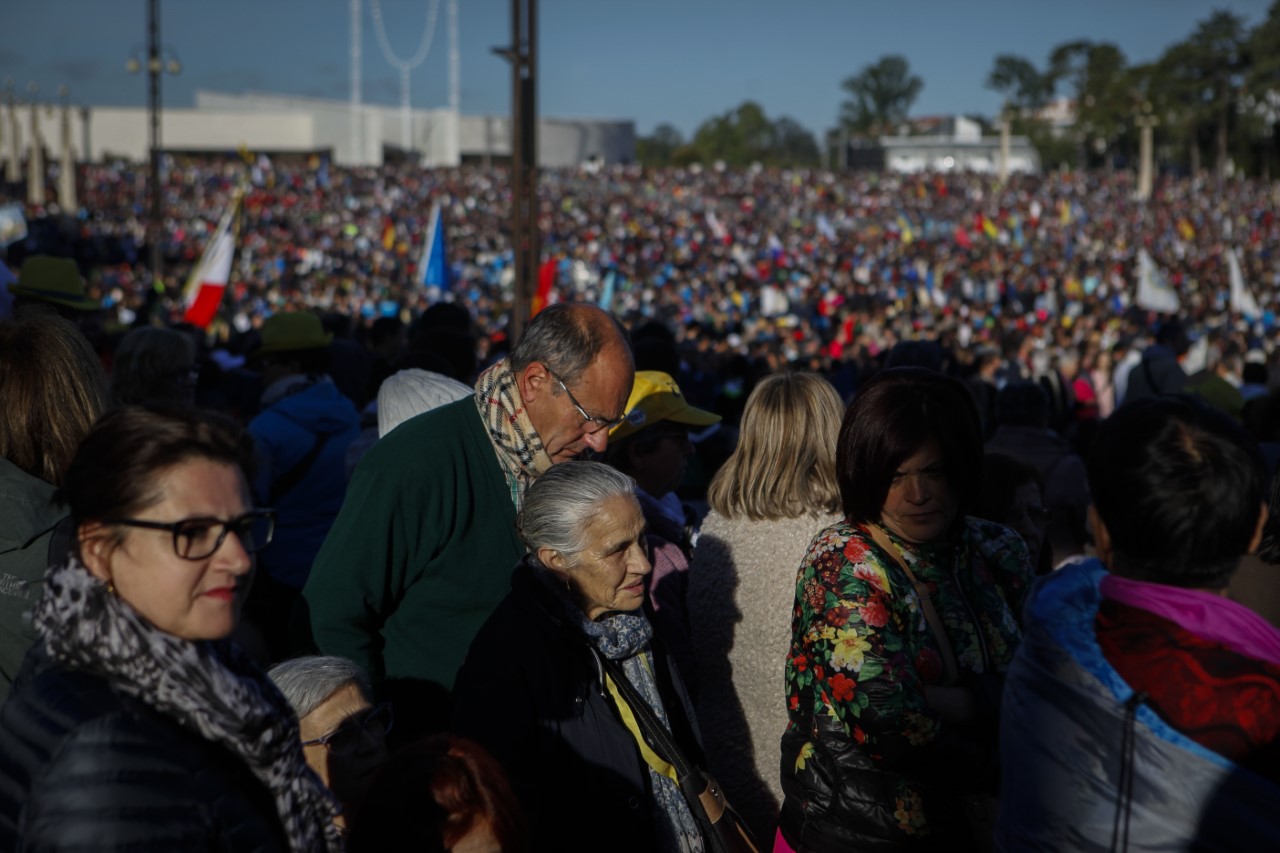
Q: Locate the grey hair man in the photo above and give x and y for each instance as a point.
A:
(424, 546)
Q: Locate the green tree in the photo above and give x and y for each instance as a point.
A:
(745, 135)
(1024, 87)
(1096, 74)
(659, 148)
(1262, 83)
(880, 96)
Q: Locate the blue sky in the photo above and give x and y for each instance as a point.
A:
(677, 61)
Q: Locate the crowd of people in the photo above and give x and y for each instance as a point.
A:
(813, 513)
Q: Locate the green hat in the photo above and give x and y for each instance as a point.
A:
(292, 330)
(54, 280)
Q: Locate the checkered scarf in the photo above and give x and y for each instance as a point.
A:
(519, 448)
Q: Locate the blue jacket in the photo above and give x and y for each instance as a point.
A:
(286, 434)
(1071, 730)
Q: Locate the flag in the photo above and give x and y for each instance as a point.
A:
(6, 299)
(1064, 212)
(1154, 292)
(825, 228)
(433, 269)
(1242, 301)
(388, 235)
(606, 291)
(1186, 229)
(962, 238)
(546, 278)
(717, 229)
(209, 278)
(905, 230)
(989, 228)
(322, 174)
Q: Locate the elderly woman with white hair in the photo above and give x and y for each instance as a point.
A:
(343, 733)
(561, 679)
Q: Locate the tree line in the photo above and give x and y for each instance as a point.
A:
(1213, 97)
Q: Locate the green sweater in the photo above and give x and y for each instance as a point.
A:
(421, 552)
(27, 519)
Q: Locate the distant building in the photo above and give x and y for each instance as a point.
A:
(947, 144)
(288, 125)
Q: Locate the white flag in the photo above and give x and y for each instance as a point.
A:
(209, 279)
(1154, 292)
(1242, 301)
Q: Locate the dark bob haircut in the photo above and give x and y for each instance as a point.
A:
(893, 417)
(1179, 487)
(114, 472)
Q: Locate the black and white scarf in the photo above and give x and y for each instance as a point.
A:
(507, 422)
(625, 636)
(210, 688)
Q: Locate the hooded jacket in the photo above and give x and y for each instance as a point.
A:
(1086, 766)
(302, 441)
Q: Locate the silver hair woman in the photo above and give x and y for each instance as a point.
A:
(537, 689)
(343, 733)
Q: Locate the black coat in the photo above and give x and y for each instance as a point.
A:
(84, 767)
(531, 692)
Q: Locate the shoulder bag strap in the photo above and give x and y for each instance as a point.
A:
(926, 604)
(654, 733)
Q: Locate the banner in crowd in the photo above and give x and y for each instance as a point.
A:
(1242, 301)
(1154, 292)
(13, 224)
(433, 269)
(209, 278)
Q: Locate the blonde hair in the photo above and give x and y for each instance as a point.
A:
(785, 462)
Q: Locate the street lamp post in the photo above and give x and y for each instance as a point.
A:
(523, 55)
(1145, 121)
(159, 60)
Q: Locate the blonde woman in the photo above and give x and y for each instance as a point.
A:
(772, 496)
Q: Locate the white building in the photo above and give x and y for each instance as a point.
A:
(957, 146)
(285, 124)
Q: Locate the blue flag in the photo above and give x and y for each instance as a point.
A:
(606, 293)
(433, 269)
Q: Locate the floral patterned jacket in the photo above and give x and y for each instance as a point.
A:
(866, 764)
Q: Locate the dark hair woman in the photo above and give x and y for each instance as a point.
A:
(135, 725)
(1142, 702)
(899, 632)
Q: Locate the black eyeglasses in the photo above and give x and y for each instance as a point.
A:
(199, 538)
(353, 732)
(599, 422)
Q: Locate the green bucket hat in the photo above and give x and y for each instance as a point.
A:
(54, 280)
(292, 330)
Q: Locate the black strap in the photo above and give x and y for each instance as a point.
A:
(295, 475)
(651, 729)
(60, 541)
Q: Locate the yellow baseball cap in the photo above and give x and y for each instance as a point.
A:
(655, 397)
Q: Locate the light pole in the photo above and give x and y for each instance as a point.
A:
(1145, 121)
(523, 56)
(159, 60)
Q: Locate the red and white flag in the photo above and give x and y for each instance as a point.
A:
(209, 279)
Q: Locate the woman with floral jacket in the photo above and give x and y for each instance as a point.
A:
(901, 632)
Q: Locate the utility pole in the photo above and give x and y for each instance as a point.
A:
(154, 70)
(1146, 122)
(525, 243)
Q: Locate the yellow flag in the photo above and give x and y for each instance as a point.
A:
(905, 228)
(1186, 229)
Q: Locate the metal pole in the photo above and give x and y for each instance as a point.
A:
(357, 146)
(153, 107)
(524, 159)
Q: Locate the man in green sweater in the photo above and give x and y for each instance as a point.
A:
(423, 548)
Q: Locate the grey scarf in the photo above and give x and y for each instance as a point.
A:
(210, 688)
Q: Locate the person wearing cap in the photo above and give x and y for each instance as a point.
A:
(423, 549)
(652, 446)
(53, 283)
(302, 434)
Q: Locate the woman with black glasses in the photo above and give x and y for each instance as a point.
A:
(135, 724)
(344, 735)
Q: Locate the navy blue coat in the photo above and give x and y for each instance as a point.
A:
(86, 768)
(531, 692)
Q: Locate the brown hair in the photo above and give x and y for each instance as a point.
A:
(114, 471)
(52, 389)
(431, 794)
(895, 415)
(785, 462)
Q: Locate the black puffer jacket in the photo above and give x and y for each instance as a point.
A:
(83, 767)
(531, 693)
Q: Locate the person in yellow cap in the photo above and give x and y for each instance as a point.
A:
(652, 446)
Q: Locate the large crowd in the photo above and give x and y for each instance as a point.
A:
(845, 500)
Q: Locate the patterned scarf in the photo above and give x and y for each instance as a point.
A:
(519, 448)
(625, 636)
(210, 688)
